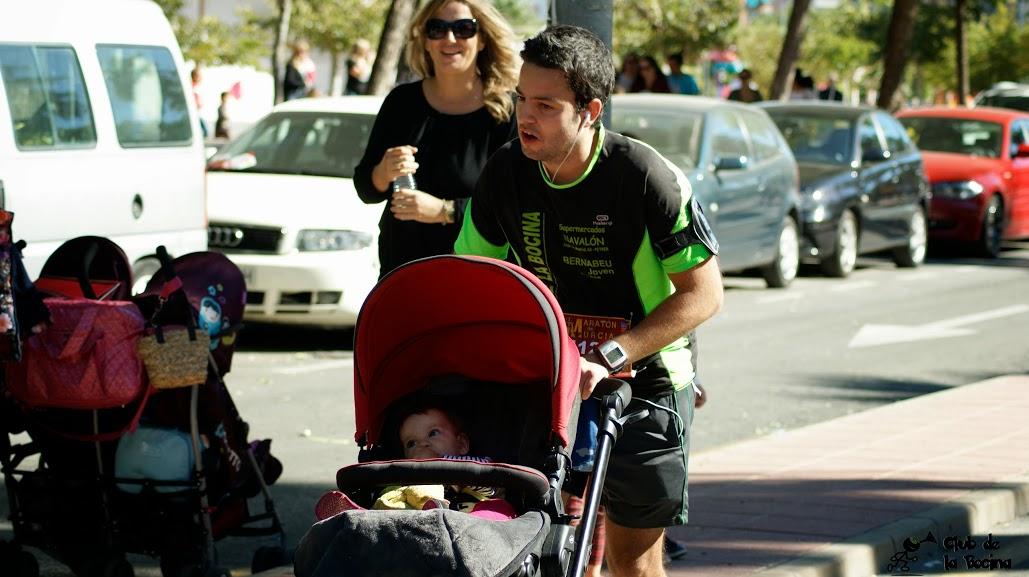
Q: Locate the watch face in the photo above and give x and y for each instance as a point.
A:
(614, 356)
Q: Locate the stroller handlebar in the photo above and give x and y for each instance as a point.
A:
(613, 394)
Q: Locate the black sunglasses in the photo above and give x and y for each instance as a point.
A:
(465, 28)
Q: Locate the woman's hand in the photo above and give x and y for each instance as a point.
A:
(417, 206)
(395, 162)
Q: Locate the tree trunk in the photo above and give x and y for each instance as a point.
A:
(281, 34)
(961, 46)
(790, 49)
(339, 74)
(391, 46)
(895, 57)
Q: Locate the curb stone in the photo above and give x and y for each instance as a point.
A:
(868, 554)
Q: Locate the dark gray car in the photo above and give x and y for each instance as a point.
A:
(739, 167)
(1005, 95)
(862, 181)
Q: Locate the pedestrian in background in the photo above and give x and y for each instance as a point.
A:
(195, 78)
(630, 70)
(650, 78)
(221, 126)
(441, 129)
(359, 67)
(657, 272)
(747, 91)
(830, 92)
(680, 82)
(298, 81)
(803, 87)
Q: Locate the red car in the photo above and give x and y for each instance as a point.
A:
(977, 160)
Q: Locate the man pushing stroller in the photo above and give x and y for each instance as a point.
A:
(611, 228)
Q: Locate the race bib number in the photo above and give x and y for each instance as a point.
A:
(589, 331)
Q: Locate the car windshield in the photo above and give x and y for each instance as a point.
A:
(816, 138)
(960, 135)
(309, 143)
(675, 134)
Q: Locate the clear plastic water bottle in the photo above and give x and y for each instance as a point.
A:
(404, 181)
(585, 449)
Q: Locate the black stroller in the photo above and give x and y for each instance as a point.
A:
(487, 339)
(76, 489)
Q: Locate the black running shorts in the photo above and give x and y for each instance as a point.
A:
(646, 477)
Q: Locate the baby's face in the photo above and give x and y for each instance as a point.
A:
(430, 435)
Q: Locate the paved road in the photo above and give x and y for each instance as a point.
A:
(776, 360)
(772, 361)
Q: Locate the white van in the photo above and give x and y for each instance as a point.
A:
(98, 130)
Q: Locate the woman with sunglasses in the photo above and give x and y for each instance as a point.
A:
(441, 129)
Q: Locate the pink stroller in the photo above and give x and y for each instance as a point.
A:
(487, 339)
(74, 501)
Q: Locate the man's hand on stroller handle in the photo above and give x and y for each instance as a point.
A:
(590, 374)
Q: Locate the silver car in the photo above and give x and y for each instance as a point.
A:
(741, 170)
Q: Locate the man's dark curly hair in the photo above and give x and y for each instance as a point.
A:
(583, 58)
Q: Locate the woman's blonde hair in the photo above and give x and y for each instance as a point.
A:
(496, 63)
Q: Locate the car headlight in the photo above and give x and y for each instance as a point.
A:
(812, 203)
(962, 189)
(322, 240)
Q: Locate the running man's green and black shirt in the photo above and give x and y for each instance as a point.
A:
(592, 241)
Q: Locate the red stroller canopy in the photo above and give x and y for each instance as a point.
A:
(481, 318)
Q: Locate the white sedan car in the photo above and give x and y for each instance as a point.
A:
(281, 204)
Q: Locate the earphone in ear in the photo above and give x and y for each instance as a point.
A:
(589, 117)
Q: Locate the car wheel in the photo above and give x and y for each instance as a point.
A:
(843, 258)
(913, 253)
(783, 269)
(993, 228)
(142, 272)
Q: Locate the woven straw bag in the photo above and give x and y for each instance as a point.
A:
(175, 356)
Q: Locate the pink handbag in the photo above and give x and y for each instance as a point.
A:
(85, 359)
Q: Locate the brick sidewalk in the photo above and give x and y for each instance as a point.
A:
(839, 498)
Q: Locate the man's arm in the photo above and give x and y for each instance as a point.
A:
(697, 297)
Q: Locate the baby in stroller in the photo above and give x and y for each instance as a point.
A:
(430, 430)
(511, 375)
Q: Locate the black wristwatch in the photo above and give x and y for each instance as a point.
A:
(612, 356)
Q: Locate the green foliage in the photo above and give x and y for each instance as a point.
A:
(996, 50)
(824, 50)
(211, 41)
(520, 16)
(853, 60)
(658, 27)
(758, 45)
(334, 26)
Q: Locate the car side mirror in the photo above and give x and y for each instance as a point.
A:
(1023, 151)
(874, 155)
(730, 163)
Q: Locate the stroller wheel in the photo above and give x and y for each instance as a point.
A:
(267, 557)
